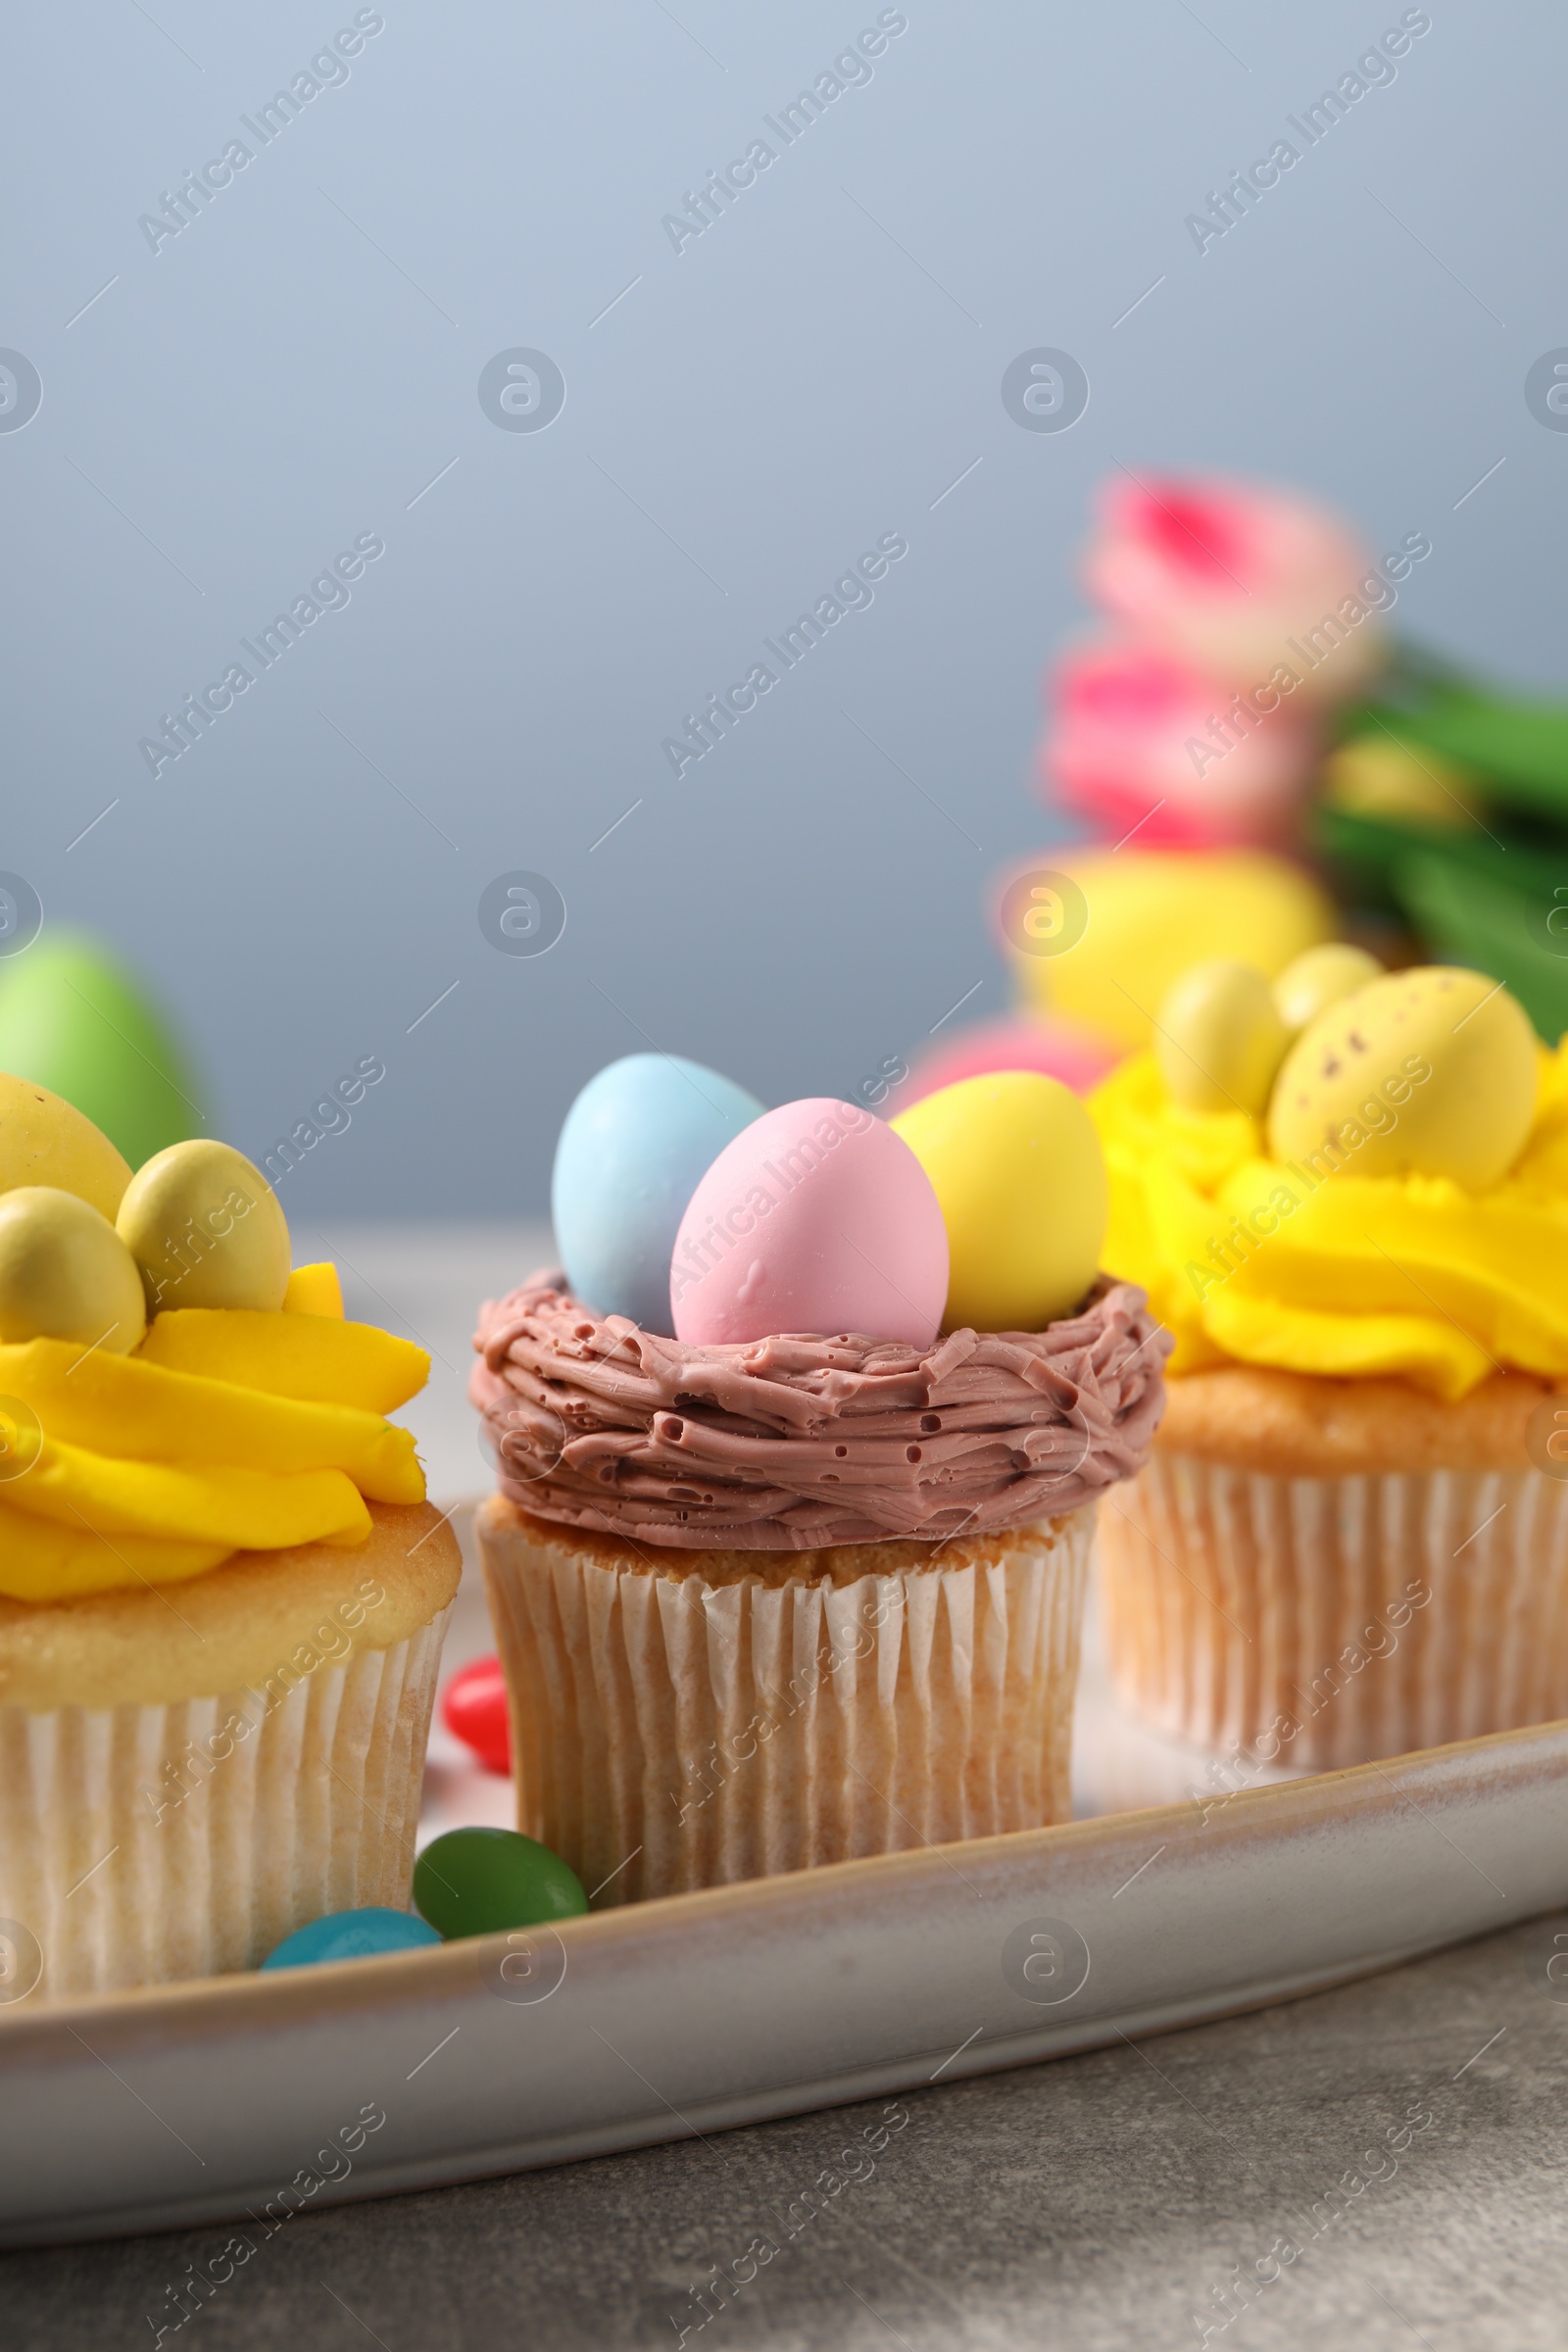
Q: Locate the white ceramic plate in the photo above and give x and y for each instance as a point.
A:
(250, 2097)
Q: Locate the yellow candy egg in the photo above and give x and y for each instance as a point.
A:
(204, 1226)
(64, 1273)
(1320, 979)
(1016, 1162)
(1219, 1038)
(1429, 1073)
(46, 1140)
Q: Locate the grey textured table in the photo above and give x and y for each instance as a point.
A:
(1108, 2200)
(1099, 2201)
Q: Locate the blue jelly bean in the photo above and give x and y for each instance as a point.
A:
(352, 1935)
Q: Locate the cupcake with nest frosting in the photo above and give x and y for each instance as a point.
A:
(774, 1585)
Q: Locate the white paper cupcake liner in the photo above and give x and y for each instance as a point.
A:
(671, 1733)
(1320, 1622)
(123, 1880)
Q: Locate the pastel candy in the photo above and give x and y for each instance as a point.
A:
(1320, 979)
(45, 1140)
(1018, 1167)
(205, 1227)
(64, 1273)
(1428, 1072)
(1220, 1037)
(632, 1149)
(817, 1218)
(350, 1935)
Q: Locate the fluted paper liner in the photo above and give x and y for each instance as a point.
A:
(672, 1732)
(124, 1882)
(1331, 1621)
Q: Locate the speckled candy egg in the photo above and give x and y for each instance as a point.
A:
(631, 1150)
(1018, 1167)
(817, 1218)
(1429, 1073)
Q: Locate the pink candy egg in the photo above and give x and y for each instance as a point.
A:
(818, 1219)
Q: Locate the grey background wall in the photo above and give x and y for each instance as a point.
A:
(300, 363)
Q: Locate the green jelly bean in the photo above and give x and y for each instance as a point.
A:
(476, 1882)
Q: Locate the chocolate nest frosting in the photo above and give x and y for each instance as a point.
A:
(796, 1441)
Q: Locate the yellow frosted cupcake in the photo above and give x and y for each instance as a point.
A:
(222, 1592)
(1347, 1198)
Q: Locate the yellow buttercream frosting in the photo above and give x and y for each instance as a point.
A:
(1320, 1269)
(315, 1291)
(227, 1430)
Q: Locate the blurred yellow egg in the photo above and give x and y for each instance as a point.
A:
(1320, 979)
(1016, 1162)
(1431, 1072)
(1147, 915)
(1218, 1039)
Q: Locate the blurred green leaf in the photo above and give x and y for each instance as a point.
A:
(1518, 746)
(1512, 934)
(1495, 902)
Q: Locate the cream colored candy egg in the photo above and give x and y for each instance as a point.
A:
(1219, 1038)
(64, 1273)
(1320, 978)
(1429, 1073)
(204, 1226)
(1016, 1162)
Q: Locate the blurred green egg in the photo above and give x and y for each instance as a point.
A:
(74, 1018)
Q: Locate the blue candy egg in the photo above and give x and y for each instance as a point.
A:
(350, 1935)
(635, 1144)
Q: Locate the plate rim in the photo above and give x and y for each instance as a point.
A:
(250, 1998)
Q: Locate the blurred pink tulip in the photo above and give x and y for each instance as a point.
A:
(1239, 581)
(1143, 741)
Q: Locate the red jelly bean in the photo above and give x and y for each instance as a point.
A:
(473, 1707)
